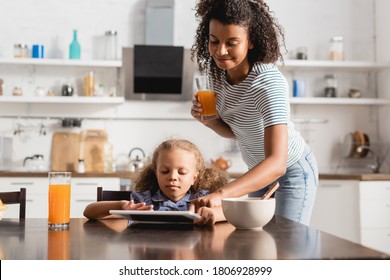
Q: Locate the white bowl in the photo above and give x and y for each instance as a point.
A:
(249, 212)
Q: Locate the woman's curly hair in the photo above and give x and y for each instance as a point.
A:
(264, 31)
(210, 178)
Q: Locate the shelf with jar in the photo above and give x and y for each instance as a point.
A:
(62, 62)
(296, 68)
(63, 99)
(331, 65)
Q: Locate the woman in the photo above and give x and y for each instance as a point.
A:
(237, 44)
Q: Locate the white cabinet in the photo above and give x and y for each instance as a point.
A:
(375, 214)
(355, 210)
(336, 209)
(83, 192)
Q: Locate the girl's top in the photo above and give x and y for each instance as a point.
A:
(260, 101)
(162, 203)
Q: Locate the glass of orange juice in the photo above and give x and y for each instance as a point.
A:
(206, 97)
(59, 199)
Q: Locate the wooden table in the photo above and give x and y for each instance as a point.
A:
(112, 239)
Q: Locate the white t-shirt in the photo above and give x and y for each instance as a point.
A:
(260, 101)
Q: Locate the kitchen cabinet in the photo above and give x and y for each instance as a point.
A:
(375, 214)
(83, 192)
(336, 209)
(358, 211)
(294, 68)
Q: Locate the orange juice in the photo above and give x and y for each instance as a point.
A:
(207, 99)
(59, 204)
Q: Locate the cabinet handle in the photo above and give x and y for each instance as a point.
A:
(22, 183)
(330, 186)
(29, 200)
(87, 184)
(85, 200)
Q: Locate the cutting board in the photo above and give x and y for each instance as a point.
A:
(65, 151)
(92, 149)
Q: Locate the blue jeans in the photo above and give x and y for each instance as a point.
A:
(296, 194)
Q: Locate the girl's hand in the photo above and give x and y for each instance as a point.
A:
(130, 205)
(207, 216)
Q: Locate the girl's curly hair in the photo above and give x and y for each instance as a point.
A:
(210, 178)
(264, 31)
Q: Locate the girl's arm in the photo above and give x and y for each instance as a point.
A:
(100, 209)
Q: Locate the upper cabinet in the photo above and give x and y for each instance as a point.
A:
(349, 75)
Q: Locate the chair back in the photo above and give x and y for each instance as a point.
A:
(112, 195)
(18, 197)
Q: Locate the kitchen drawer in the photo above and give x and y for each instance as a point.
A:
(374, 190)
(32, 185)
(378, 239)
(90, 185)
(375, 213)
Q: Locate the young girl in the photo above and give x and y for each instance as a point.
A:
(176, 175)
(237, 44)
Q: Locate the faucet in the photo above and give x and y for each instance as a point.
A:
(377, 162)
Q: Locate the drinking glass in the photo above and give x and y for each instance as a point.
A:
(59, 199)
(206, 97)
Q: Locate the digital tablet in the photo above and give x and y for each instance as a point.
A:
(158, 217)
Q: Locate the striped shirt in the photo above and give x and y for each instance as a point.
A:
(260, 101)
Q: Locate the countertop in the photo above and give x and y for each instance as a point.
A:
(281, 238)
(126, 175)
(233, 175)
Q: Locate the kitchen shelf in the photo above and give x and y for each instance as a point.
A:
(291, 65)
(62, 62)
(338, 101)
(62, 100)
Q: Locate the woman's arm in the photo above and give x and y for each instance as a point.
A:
(218, 125)
(263, 174)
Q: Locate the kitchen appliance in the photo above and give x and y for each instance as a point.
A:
(153, 72)
(35, 163)
(5, 153)
(137, 163)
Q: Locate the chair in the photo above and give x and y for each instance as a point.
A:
(18, 197)
(112, 195)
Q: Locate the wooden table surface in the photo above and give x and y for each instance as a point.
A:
(112, 239)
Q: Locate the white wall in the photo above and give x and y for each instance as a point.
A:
(306, 23)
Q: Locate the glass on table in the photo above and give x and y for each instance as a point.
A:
(206, 97)
(59, 199)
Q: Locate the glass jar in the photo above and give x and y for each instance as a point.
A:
(20, 50)
(111, 45)
(331, 85)
(336, 48)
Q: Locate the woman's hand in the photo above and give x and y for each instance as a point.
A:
(196, 109)
(211, 200)
(130, 205)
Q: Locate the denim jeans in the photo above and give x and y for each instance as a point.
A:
(296, 194)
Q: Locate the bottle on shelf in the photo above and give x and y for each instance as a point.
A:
(74, 48)
(336, 48)
(89, 84)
